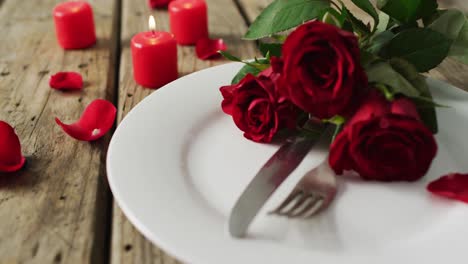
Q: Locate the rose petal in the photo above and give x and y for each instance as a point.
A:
(11, 159)
(208, 48)
(453, 186)
(158, 3)
(97, 119)
(66, 81)
(405, 106)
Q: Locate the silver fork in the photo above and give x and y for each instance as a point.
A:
(314, 193)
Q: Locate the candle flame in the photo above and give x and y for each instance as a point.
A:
(152, 23)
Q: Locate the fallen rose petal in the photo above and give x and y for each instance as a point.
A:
(158, 3)
(66, 81)
(97, 119)
(208, 48)
(453, 186)
(11, 159)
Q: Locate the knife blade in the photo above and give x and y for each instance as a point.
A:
(286, 159)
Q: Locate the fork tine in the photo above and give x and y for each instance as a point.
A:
(312, 209)
(298, 204)
(309, 202)
(293, 196)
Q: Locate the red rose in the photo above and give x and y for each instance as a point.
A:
(320, 69)
(257, 108)
(384, 141)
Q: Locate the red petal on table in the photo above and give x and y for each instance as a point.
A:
(158, 3)
(453, 186)
(208, 48)
(66, 81)
(97, 119)
(10, 149)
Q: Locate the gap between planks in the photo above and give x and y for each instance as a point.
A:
(128, 245)
(57, 207)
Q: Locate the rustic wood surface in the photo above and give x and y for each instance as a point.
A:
(55, 210)
(59, 209)
(225, 21)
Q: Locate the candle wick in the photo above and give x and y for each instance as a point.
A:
(153, 32)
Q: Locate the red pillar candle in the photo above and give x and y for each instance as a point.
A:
(154, 55)
(74, 25)
(189, 21)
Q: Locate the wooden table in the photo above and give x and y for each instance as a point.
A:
(59, 208)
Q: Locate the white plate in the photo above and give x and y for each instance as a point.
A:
(176, 165)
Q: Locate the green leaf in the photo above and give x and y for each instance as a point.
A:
(331, 19)
(384, 73)
(389, 95)
(338, 15)
(243, 72)
(406, 11)
(424, 48)
(336, 120)
(423, 103)
(453, 24)
(282, 15)
(429, 19)
(380, 40)
(427, 8)
(367, 58)
(459, 49)
(358, 25)
(450, 23)
(410, 73)
(259, 64)
(229, 56)
(384, 22)
(427, 113)
(274, 49)
(400, 77)
(280, 38)
(366, 6)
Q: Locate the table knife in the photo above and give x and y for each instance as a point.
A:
(268, 179)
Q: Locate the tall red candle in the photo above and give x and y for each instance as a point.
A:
(154, 55)
(189, 21)
(74, 24)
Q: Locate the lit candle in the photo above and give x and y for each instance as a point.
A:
(154, 56)
(188, 19)
(74, 24)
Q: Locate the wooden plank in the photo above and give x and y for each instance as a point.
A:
(54, 210)
(128, 245)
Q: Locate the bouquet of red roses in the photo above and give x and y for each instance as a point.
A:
(365, 79)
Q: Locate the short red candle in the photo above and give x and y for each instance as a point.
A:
(74, 25)
(189, 21)
(154, 56)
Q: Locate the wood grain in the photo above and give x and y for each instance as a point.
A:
(225, 21)
(55, 209)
